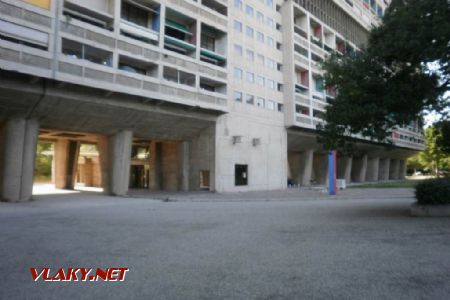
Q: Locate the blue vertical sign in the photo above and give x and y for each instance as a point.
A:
(332, 172)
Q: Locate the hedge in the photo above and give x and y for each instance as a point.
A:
(433, 192)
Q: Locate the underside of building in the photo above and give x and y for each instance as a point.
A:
(173, 95)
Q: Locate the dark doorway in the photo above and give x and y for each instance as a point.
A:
(240, 175)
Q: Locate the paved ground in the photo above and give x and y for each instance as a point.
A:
(358, 245)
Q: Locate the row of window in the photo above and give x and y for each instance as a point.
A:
(239, 3)
(260, 59)
(258, 79)
(258, 101)
(252, 13)
(251, 33)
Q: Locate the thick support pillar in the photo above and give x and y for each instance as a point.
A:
(394, 172)
(359, 168)
(18, 154)
(184, 155)
(320, 169)
(345, 168)
(383, 172)
(402, 171)
(66, 161)
(294, 173)
(306, 167)
(373, 165)
(103, 151)
(119, 162)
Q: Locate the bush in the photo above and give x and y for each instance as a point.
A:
(433, 192)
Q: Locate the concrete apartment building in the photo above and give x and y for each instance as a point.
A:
(180, 95)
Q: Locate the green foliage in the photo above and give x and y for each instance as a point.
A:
(404, 70)
(433, 158)
(433, 192)
(43, 164)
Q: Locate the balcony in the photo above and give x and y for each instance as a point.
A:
(180, 33)
(99, 18)
(140, 21)
(213, 45)
(216, 6)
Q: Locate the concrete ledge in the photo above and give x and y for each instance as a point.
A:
(430, 210)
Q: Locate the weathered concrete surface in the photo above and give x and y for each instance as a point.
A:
(349, 248)
(119, 160)
(18, 142)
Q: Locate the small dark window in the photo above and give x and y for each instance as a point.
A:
(240, 175)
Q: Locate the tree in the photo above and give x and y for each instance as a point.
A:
(434, 157)
(404, 71)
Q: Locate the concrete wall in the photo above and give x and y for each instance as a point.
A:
(266, 160)
(202, 157)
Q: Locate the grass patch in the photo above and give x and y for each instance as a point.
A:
(387, 185)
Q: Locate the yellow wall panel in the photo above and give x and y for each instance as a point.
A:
(41, 3)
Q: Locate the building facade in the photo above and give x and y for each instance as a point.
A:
(180, 94)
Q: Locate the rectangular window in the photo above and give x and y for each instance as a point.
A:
(260, 37)
(238, 4)
(238, 49)
(81, 51)
(270, 63)
(249, 10)
(260, 80)
(271, 84)
(240, 175)
(260, 102)
(250, 55)
(269, 3)
(237, 26)
(250, 77)
(208, 42)
(237, 73)
(269, 22)
(260, 17)
(237, 96)
(271, 104)
(250, 99)
(270, 42)
(249, 31)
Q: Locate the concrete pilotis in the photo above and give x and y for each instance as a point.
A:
(402, 170)
(373, 165)
(394, 171)
(383, 172)
(184, 172)
(119, 162)
(66, 161)
(345, 168)
(103, 150)
(18, 154)
(306, 167)
(359, 168)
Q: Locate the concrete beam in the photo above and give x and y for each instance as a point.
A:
(119, 162)
(18, 155)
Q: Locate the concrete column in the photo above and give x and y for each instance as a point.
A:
(20, 138)
(394, 172)
(184, 155)
(119, 162)
(373, 165)
(359, 168)
(383, 172)
(103, 151)
(66, 162)
(306, 167)
(294, 167)
(320, 169)
(345, 168)
(158, 167)
(402, 171)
